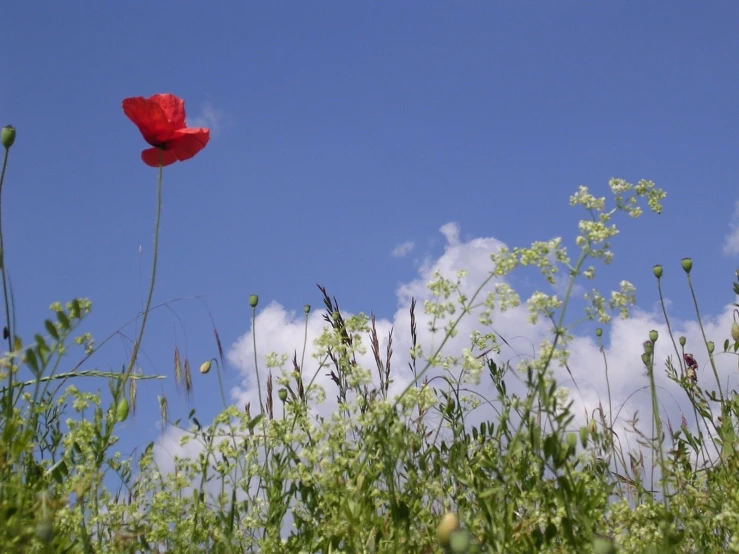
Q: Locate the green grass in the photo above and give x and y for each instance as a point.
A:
(383, 473)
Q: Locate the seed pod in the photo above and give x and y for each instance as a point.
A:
(687, 264)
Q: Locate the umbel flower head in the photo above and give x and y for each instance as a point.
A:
(161, 120)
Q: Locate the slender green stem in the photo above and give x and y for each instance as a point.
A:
(657, 422)
(137, 344)
(8, 321)
(256, 359)
(667, 322)
(705, 340)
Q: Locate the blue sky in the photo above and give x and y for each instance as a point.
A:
(341, 131)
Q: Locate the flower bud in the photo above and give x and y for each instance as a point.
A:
(735, 331)
(711, 346)
(646, 359)
(44, 528)
(253, 300)
(460, 541)
(592, 427)
(205, 367)
(282, 394)
(682, 340)
(447, 525)
(648, 347)
(571, 440)
(653, 335)
(687, 264)
(306, 309)
(657, 270)
(603, 545)
(121, 411)
(599, 332)
(7, 136)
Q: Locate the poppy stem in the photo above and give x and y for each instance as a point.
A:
(137, 344)
(8, 322)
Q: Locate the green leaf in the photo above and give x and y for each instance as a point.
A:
(63, 319)
(51, 329)
(254, 422)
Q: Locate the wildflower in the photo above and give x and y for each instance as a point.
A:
(692, 365)
(161, 120)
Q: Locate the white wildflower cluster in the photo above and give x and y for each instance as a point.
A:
(471, 367)
(545, 256)
(623, 299)
(273, 360)
(542, 304)
(443, 288)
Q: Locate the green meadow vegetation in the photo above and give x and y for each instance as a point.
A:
(385, 472)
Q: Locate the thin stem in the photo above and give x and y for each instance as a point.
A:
(667, 322)
(8, 321)
(256, 359)
(137, 344)
(705, 340)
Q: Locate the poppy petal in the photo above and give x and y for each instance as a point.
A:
(150, 118)
(188, 143)
(151, 157)
(173, 108)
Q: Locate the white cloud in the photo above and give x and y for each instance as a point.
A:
(403, 249)
(209, 117)
(451, 232)
(731, 240)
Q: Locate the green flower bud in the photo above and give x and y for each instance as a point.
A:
(205, 367)
(657, 270)
(571, 440)
(603, 545)
(682, 340)
(336, 315)
(735, 331)
(646, 359)
(253, 300)
(45, 531)
(592, 427)
(459, 541)
(584, 432)
(599, 332)
(121, 411)
(653, 335)
(687, 264)
(448, 524)
(7, 136)
(306, 309)
(648, 347)
(710, 346)
(282, 394)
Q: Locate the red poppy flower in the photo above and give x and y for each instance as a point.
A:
(161, 120)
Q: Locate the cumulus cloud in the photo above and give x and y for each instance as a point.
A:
(595, 377)
(731, 241)
(403, 249)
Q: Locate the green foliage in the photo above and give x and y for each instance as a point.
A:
(414, 472)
